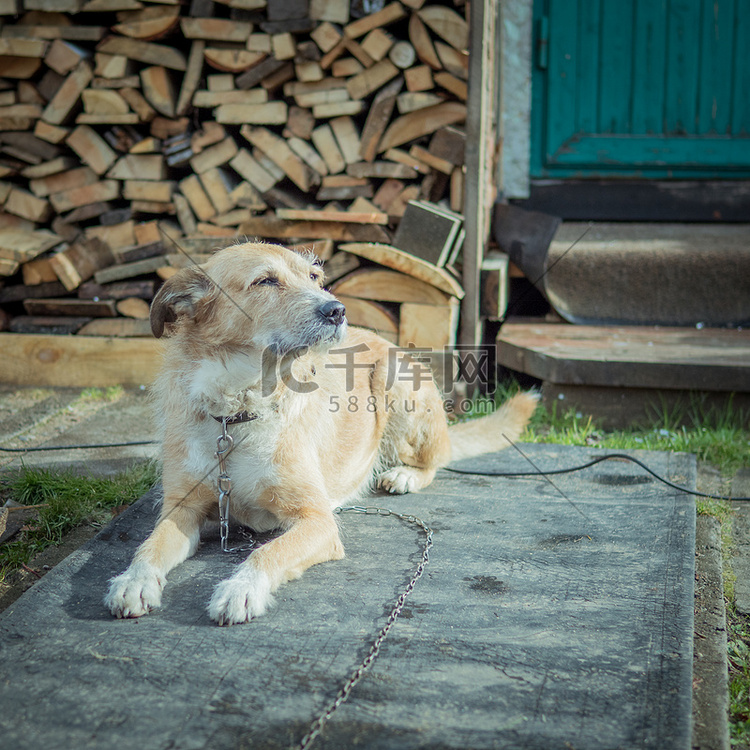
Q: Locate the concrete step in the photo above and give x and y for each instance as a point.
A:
(647, 273)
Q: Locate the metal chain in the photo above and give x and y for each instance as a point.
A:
(317, 725)
(224, 446)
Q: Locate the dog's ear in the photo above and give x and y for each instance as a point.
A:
(177, 296)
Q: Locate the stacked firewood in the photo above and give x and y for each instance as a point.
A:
(134, 135)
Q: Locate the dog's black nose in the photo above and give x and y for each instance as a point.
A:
(333, 312)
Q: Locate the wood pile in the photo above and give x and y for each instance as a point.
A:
(134, 134)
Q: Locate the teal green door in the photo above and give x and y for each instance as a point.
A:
(651, 88)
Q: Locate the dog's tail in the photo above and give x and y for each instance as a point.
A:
(495, 431)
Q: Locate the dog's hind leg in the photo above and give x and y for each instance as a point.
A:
(415, 441)
(138, 590)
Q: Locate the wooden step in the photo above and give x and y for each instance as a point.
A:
(623, 374)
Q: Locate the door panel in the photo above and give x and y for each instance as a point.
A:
(657, 88)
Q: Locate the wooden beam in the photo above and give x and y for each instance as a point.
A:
(71, 362)
(480, 152)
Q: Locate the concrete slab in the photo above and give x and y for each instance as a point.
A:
(43, 417)
(551, 616)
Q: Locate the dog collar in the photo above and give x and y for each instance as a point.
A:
(240, 416)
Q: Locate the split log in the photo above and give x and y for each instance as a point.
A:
(398, 260)
(385, 285)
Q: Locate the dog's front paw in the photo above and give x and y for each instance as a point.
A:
(400, 480)
(135, 592)
(245, 595)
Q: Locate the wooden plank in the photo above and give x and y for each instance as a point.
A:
(214, 156)
(20, 292)
(38, 272)
(338, 109)
(347, 137)
(249, 168)
(481, 136)
(308, 154)
(117, 327)
(422, 43)
(247, 97)
(414, 100)
(319, 214)
(148, 23)
(158, 89)
(92, 148)
(446, 23)
(70, 198)
(79, 262)
(495, 281)
(139, 167)
(333, 11)
(325, 143)
(46, 324)
(419, 78)
(455, 62)
(388, 15)
(378, 118)
(24, 48)
(129, 118)
(191, 79)
(219, 29)
(145, 52)
(128, 270)
(61, 56)
(279, 152)
(192, 189)
(50, 133)
(231, 60)
(216, 185)
(133, 307)
(41, 31)
(26, 205)
(270, 113)
(62, 103)
(385, 285)
(428, 326)
(23, 246)
(71, 308)
(629, 357)
(382, 170)
(159, 191)
(377, 43)
(339, 265)
(139, 105)
(78, 362)
(104, 102)
(398, 260)
(270, 227)
(372, 79)
(113, 235)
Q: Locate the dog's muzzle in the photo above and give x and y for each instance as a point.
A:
(333, 312)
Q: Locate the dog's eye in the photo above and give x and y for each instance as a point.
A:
(315, 277)
(266, 281)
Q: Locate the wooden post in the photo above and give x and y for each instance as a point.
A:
(479, 188)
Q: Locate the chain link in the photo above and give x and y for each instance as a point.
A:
(224, 446)
(341, 697)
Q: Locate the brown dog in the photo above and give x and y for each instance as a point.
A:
(331, 413)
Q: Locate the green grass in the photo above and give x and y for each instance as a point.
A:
(66, 500)
(718, 436)
(738, 635)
